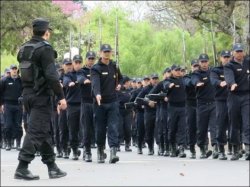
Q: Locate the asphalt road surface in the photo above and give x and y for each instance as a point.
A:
(132, 170)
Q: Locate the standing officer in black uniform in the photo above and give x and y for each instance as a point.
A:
(191, 109)
(125, 116)
(62, 121)
(12, 89)
(87, 115)
(73, 97)
(205, 93)
(139, 114)
(40, 80)
(176, 95)
(221, 95)
(149, 113)
(105, 77)
(237, 78)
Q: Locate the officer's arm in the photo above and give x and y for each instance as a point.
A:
(229, 75)
(214, 78)
(50, 73)
(156, 89)
(66, 80)
(195, 79)
(81, 78)
(187, 81)
(95, 80)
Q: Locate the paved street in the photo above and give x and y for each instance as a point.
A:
(133, 170)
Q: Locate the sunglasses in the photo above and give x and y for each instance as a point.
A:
(239, 51)
(14, 68)
(91, 58)
(106, 51)
(226, 57)
(204, 61)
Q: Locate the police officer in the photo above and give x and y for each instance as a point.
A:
(105, 77)
(62, 121)
(73, 97)
(221, 94)
(205, 93)
(12, 89)
(139, 113)
(125, 116)
(191, 109)
(237, 78)
(87, 114)
(176, 111)
(149, 113)
(36, 97)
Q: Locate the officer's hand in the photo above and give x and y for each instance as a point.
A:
(165, 99)
(71, 84)
(233, 87)
(118, 87)
(200, 84)
(223, 84)
(98, 99)
(1, 109)
(151, 104)
(62, 104)
(87, 81)
(171, 85)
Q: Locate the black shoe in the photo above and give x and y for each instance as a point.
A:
(88, 157)
(236, 155)
(215, 152)
(160, 150)
(56, 173)
(166, 150)
(182, 154)
(118, 149)
(8, 147)
(222, 156)
(127, 148)
(139, 151)
(113, 157)
(101, 156)
(76, 154)
(205, 154)
(151, 151)
(66, 155)
(144, 145)
(59, 154)
(173, 152)
(230, 148)
(25, 174)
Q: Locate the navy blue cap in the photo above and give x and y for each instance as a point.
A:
(77, 58)
(105, 47)
(203, 57)
(225, 53)
(13, 66)
(194, 62)
(175, 67)
(167, 70)
(40, 24)
(146, 77)
(125, 79)
(90, 54)
(67, 61)
(7, 70)
(238, 47)
(154, 76)
(139, 80)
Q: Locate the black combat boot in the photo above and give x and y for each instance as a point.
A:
(113, 157)
(54, 171)
(236, 155)
(139, 149)
(66, 154)
(101, 156)
(215, 151)
(193, 152)
(166, 151)
(59, 153)
(230, 149)
(203, 152)
(222, 155)
(182, 153)
(88, 155)
(173, 150)
(22, 172)
(161, 149)
(127, 148)
(151, 150)
(8, 145)
(76, 154)
(247, 155)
